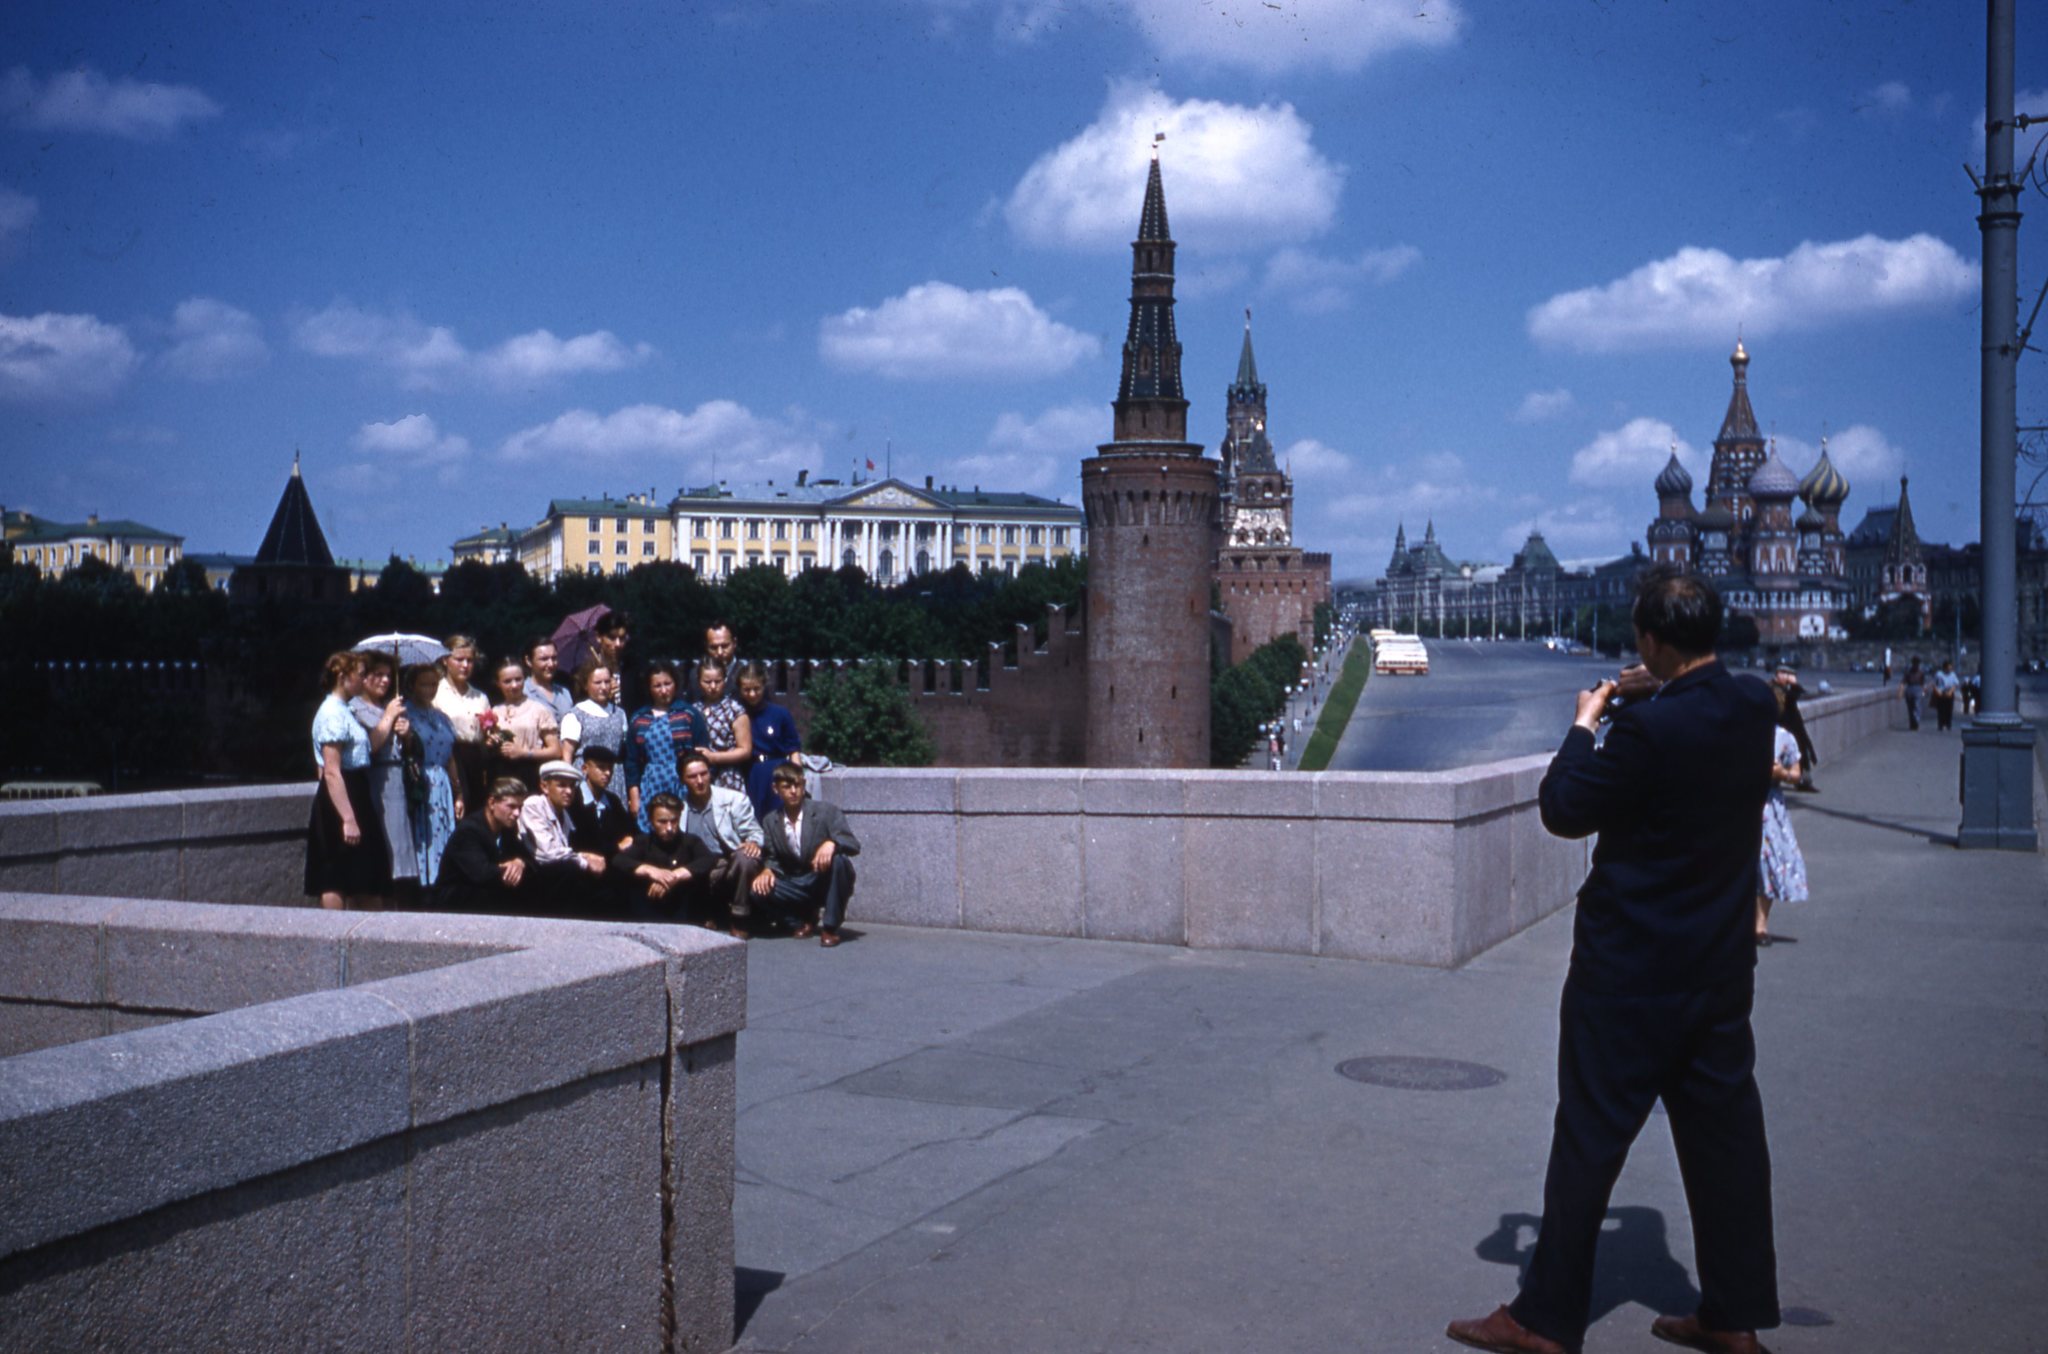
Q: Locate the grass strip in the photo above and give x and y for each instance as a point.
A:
(1344, 693)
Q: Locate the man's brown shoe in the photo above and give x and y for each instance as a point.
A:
(1502, 1334)
(1687, 1331)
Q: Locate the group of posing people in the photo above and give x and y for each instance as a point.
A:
(440, 795)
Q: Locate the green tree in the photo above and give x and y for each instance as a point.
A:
(862, 716)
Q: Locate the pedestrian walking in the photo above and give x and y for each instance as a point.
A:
(1945, 687)
(1781, 868)
(1912, 687)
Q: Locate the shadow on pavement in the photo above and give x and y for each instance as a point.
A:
(1932, 838)
(750, 1288)
(1634, 1264)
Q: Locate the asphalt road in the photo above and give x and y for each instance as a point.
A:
(1480, 703)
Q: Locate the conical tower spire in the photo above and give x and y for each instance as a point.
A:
(1151, 404)
(295, 537)
(1739, 424)
(1247, 388)
(1905, 540)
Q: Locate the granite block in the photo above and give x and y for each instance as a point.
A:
(28, 828)
(887, 790)
(216, 957)
(310, 1259)
(121, 822)
(248, 811)
(511, 1025)
(28, 875)
(1484, 789)
(263, 873)
(329, 1071)
(1147, 793)
(1548, 870)
(134, 872)
(1134, 879)
(1249, 794)
(1385, 796)
(119, 1021)
(392, 944)
(50, 951)
(1021, 872)
(984, 791)
(538, 1224)
(909, 870)
(1251, 884)
(1387, 891)
(1483, 865)
(26, 1026)
(707, 986)
(702, 1109)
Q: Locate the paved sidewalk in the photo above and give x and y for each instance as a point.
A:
(968, 1142)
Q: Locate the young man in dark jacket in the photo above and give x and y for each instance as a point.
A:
(663, 874)
(806, 867)
(484, 867)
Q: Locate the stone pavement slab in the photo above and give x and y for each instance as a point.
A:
(952, 1141)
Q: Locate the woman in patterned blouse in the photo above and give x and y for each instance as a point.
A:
(731, 750)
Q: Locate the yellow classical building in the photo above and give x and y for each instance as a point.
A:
(56, 548)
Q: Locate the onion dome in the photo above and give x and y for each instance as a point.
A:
(1810, 520)
(1773, 479)
(1715, 517)
(1674, 481)
(1824, 486)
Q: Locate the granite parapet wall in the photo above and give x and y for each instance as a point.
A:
(1427, 867)
(232, 1127)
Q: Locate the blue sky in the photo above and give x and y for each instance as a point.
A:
(467, 258)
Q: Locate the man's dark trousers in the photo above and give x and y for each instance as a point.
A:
(826, 891)
(1617, 1054)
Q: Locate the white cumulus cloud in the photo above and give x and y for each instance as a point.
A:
(1630, 458)
(1701, 296)
(1316, 285)
(1272, 38)
(212, 341)
(83, 100)
(1308, 459)
(1588, 528)
(1539, 405)
(1893, 96)
(1040, 455)
(1235, 176)
(51, 357)
(1408, 494)
(937, 330)
(416, 436)
(671, 442)
(431, 357)
(1870, 461)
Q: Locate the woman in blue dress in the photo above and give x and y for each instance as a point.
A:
(436, 803)
(380, 711)
(656, 739)
(775, 737)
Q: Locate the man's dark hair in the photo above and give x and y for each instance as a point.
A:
(612, 622)
(666, 801)
(507, 788)
(786, 774)
(1681, 610)
(537, 642)
(721, 624)
(604, 757)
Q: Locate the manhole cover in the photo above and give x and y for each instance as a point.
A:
(1422, 1074)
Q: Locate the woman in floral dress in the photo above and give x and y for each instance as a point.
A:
(595, 721)
(437, 804)
(1781, 872)
(731, 749)
(657, 737)
(524, 728)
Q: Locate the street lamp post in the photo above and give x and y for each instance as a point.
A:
(1998, 747)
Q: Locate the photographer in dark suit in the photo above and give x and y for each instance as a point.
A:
(1657, 1000)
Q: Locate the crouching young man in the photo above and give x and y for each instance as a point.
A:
(662, 874)
(484, 867)
(807, 872)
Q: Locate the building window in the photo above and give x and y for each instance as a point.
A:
(597, 524)
(725, 526)
(724, 563)
(1036, 536)
(753, 528)
(848, 559)
(984, 535)
(807, 531)
(619, 568)
(1009, 535)
(594, 547)
(620, 548)
(647, 549)
(781, 530)
(753, 558)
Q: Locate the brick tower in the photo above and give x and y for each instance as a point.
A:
(1151, 499)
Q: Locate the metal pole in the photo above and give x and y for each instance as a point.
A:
(1998, 786)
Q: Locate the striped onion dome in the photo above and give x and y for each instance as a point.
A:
(1673, 481)
(1824, 486)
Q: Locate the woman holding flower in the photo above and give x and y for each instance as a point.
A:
(524, 734)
